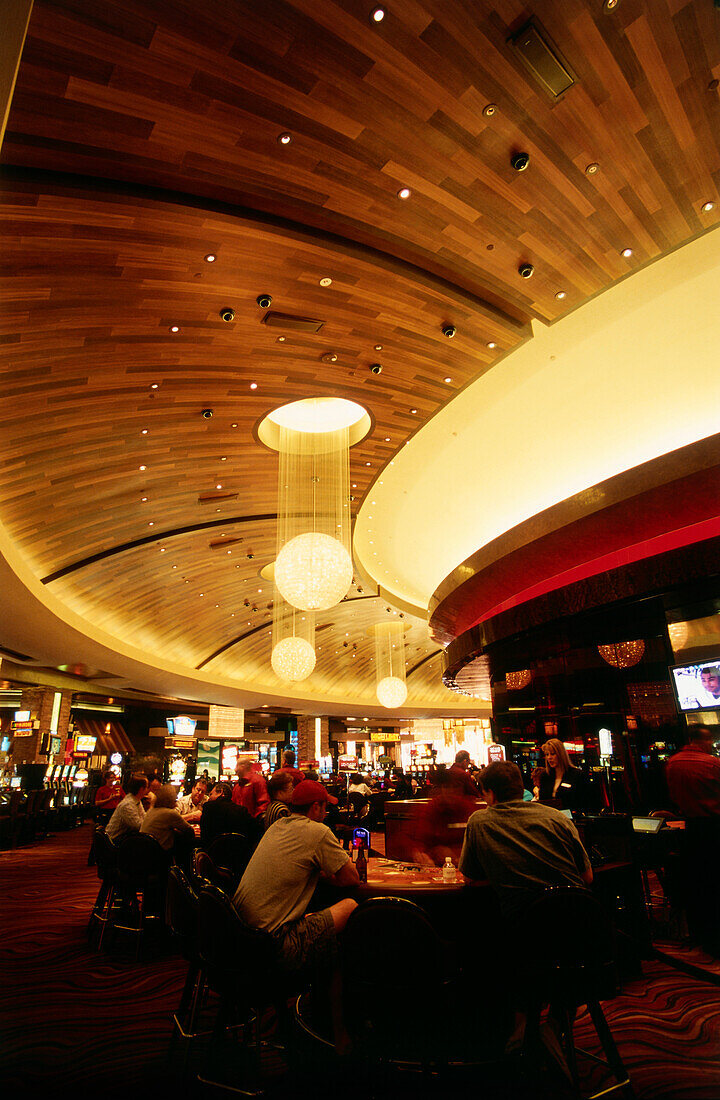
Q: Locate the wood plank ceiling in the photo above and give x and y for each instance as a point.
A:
(144, 137)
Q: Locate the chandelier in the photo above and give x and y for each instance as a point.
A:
(622, 654)
(515, 681)
(391, 689)
(313, 568)
(293, 650)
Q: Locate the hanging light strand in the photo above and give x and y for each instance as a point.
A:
(293, 641)
(391, 688)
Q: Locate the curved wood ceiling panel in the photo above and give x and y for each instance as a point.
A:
(143, 136)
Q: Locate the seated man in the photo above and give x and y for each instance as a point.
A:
(279, 881)
(220, 815)
(164, 822)
(280, 789)
(128, 817)
(520, 847)
(189, 805)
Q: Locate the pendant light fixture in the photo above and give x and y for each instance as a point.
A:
(293, 648)
(391, 689)
(313, 568)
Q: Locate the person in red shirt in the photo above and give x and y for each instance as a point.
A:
(288, 765)
(459, 772)
(250, 789)
(693, 779)
(693, 776)
(111, 794)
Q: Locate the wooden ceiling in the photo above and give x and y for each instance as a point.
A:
(143, 137)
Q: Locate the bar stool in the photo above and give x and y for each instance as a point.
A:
(576, 967)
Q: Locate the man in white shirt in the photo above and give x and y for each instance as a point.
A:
(128, 817)
(189, 806)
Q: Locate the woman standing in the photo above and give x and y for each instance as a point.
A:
(561, 780)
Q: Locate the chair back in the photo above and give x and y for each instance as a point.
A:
(576, 946)
(235, 956)
(205, 871)
(357, 802)
(231, 851)
(140, 858)
(399, 932)
(181, 910)
(104, 851)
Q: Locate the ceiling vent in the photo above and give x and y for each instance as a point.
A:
(542, 60)
(210, 498)
(288, 322)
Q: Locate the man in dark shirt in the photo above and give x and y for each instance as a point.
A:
(221, 815)
(520, 847)
(460, 777)
(288, 765)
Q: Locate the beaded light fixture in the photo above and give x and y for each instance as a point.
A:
(515, 681)
(293, 651)
(622, 654)
(313, 568)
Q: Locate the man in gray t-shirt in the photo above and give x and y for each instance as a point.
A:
(520, 847)
(279, 880)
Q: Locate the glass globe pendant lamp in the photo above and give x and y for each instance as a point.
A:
(313, 568)
(390, 689)
(293, 649)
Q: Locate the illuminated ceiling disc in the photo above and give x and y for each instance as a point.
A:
(313, 571)
(391, 692)
(317, 415)
(293, 659)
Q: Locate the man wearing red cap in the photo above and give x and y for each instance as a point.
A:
(279, 881)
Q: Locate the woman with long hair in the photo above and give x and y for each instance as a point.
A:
(561, 780)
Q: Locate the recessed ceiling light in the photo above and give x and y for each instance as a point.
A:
(253, 385)
(378, 347)
(174, 328)
(218, 486)
(174, 566)
(387, 438)
(561, 294)
(367, 463)
(143, 499)
(413, 411)
(233, 425)
(326, 281)
(610, 5)
(154, 386)
(591, 169)
(404, 193)
(377, 15)
(142, 467)
(285, 138)
(353, 486)
(626, 252)
(223, 458)
(151, 524)
(144, 431)
(162, 549)
(707, 207)
(281, 339)
(447, 379)
(491, 344)
(210, 258)
(489, 110)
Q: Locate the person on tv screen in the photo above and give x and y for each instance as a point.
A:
(709, 689)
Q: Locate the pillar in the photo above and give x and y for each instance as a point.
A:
(307, 737)
(40, 702)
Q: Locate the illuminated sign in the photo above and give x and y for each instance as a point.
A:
(606, 747)
(229, 757)
(347, 763)
(85, 743)
(495, 752)
(384, 736)
(116, 758)
(183, 726)
(22, 715)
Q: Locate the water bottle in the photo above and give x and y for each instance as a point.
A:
(448, 871)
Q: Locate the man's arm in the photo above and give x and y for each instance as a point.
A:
(470, 864)
(346, 876)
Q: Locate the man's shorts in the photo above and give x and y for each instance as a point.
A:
(309, 941)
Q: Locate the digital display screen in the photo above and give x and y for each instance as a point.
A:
(66, 771)
(697, 687)
(85, 743)
(15, 782)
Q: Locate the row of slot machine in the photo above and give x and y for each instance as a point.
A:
(70, 775)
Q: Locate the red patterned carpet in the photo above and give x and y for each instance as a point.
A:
(76, 1022)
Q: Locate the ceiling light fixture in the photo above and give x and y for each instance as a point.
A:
(491, 344)
(174, 328)
(378, 347)
(210, 258)
(591, 169)
(326, 281)
(281, 339)
(154, 386)
(377, 15)
(404, 193)
(253, 385)
(447, 380)
(561, 294)
(626, 252)
(142, 467)
(707, 207)
(285, 138)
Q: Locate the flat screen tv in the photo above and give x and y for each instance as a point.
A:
(697, 686)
